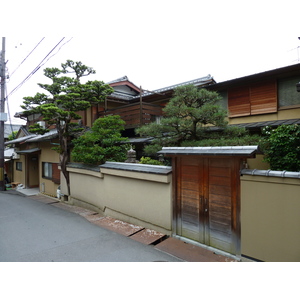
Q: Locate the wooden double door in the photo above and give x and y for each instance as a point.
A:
(207, 201)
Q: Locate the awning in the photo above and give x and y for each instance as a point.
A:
(28, 151)
(230, 150)
(274, 123)
(20, 140)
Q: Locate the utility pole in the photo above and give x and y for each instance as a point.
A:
(3, 116)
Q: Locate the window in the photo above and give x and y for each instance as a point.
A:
(255, 99)
(287, 92)
(47, 170)
(51, 171)
(19, 166)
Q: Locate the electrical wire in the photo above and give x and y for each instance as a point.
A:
(56, 51)
(27, 56)
(36, 68)
(43, 62)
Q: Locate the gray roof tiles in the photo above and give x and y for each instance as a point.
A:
(228, 150)
(270, 173)
(152, 169)
(196, 82)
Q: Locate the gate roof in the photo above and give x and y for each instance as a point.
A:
(228, 150)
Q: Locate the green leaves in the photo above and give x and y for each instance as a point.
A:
(102, 143)
(185, 117)
(64, 97)
(282, 147)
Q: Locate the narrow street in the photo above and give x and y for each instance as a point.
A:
(33, 231)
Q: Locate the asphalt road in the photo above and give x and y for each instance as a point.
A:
(31, 231)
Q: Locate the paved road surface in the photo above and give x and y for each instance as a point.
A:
(31, 231)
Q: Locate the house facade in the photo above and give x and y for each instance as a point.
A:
(267, 98)
(34, 163)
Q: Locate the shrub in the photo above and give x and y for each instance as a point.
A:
(103, 143)
(282, 147)
(150, 161)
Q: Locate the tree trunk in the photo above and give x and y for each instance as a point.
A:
(64, 154)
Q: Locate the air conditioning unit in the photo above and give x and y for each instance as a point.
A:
(42, 124)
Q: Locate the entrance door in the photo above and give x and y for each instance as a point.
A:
(33, 171)
(207, 201)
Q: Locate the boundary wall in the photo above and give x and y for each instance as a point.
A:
(142, 195)
(270, 215)
(134, 193)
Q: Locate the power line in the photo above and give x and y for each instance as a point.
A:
(56, 51)
(35, 69)
(27, 56)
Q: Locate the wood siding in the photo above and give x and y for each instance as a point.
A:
(135, 114)
(207, 201)
(55, 173)
(263, 98)
(239, 102)
(258, 98)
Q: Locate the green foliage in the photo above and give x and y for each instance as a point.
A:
(64, 97)
(150, 161)
(282, 147)
(229, 136)
(12, 136)
(246, 140)
(187, 120)
(102, 143)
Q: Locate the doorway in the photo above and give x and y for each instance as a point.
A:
(33, 170)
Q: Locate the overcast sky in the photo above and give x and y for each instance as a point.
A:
(154, 43)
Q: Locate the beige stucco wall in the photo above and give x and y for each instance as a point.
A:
(282, 114)
(47, 186)
(141, 198)
(19, 176)
(270, 219)
(258, 163)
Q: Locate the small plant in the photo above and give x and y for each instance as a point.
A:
(150, 161)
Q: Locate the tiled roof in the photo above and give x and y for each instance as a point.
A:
(20, 140)
(41, 137)
(9, 128)
(268, 123)
(28, 151)
(271, 173)
(137, 168)
(34, 137)
(124, 78)
(195, 82)
(230, 150)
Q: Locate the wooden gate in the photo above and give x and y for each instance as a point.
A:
(207, 202)
(206, 189)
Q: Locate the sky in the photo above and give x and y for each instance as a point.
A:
(155, 43)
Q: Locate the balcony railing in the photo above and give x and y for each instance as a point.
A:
(135, 114)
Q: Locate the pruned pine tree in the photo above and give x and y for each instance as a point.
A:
(186, 117)
(64, 97)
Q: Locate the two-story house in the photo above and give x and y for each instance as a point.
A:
(267, 98)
